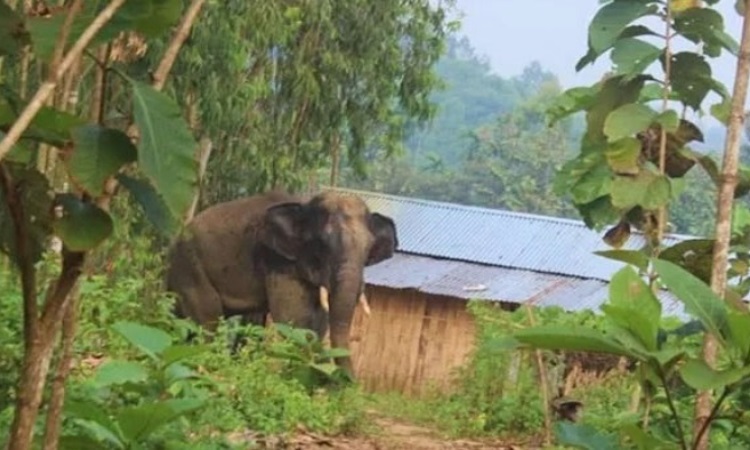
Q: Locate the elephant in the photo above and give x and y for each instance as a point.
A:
(300, 258)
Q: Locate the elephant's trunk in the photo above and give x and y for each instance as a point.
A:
(345, 297)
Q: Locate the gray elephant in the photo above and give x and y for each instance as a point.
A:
(301, 259)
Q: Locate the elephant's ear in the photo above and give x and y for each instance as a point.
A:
(281, 231)
(386, 239)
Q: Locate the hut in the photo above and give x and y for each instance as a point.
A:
(419, 330)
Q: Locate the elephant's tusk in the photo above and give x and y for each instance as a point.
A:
(324, 298)
(363, 301)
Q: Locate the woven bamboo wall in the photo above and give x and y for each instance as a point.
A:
(411, 341)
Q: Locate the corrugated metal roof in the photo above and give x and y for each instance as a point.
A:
(468, 281)
(498, 238)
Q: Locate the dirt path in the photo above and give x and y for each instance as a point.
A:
(392, 434)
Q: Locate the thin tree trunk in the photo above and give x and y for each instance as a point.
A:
(335, 159)
(543, 383)
(57, 397)
(96, 110)
(170, 55)
(724, 216)
(37, 358)
(204, 152)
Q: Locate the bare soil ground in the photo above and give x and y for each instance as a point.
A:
(391, 434)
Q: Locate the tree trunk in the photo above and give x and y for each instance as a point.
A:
(724, 217)
(37, 356)
(335, 159)
(204, 152)
(57, 397)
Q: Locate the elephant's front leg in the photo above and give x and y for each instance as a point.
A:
(295, 303)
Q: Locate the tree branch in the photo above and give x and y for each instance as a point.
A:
(170, 55)
(44, 91)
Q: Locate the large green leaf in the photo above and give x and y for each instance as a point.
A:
(49, 125)
(622, 155)
(627, 120)
(35, 196)
(89, 411)
(693, 255)
(646, 441)
(629, 32)
(139, 422)
(83, 225)
(612, 19)
(82, 442)
(592, 185)
(698, 375)
(584, 436)
(166, 149)
(647, 189)
(634, 257)
(150, 340)
(99, 153)
(120, 372)
(721, 111)
(569, 102)
(669, 120)
(175, 353)
(632, 56)
(45, 30)
(700, 301)
(13, 35)
(691, 78)
(153, 205)
(739, 329)
(558, 337)
(151, 18)
(705, 25)
(598, 213)
(615, 92)
(633, 306)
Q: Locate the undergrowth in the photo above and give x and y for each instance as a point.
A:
(215, 393)
(497, 393)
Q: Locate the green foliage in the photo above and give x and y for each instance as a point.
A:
(121, 394)
(100, 152)
(618, 110)
(307, 359)
(167, 147)
(97, 152)
(83, 226)
(132, 360)
(497, 392)
(495, 152)
(274, 85)
(617, 178)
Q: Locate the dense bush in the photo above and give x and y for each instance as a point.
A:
(498, 393)
(131, 356)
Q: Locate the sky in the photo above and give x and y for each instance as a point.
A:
(514, 33)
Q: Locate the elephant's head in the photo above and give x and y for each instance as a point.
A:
(327, 242)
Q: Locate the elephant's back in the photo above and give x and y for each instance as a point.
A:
(223, 237)
(236, 215)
